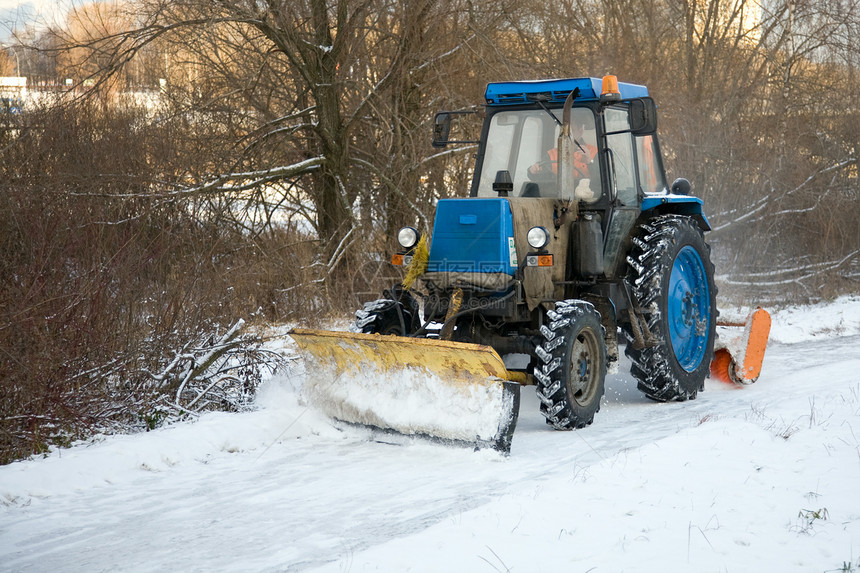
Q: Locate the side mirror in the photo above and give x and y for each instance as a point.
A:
(441, 129)
(643, 116)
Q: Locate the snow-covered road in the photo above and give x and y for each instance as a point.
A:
(763, 478)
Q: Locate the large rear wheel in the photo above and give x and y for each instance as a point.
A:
(673, 280)
(570, 380)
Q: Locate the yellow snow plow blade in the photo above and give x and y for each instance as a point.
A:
(416, 386)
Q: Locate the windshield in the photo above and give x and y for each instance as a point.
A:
(524, 143)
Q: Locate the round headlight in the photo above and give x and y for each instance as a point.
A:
(538, 237)
(407, 237)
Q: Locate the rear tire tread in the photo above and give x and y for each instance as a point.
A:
(657, 371)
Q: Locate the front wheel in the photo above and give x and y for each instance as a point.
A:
(388, 316)
(570, 382)
(673, 280)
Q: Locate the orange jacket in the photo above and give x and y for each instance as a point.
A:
(580, 162)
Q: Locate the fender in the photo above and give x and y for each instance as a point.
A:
(677, 204)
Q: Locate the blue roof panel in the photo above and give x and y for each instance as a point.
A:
(513, 93)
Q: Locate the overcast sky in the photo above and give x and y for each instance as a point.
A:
(19, 13)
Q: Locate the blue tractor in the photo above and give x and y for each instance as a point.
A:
(570, 235)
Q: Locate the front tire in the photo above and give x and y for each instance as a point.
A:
(387, 316)
(570, 382)
(673, 280)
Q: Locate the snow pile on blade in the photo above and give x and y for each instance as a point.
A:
(410, 401)
(430, 388)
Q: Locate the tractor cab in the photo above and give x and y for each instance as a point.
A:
(587, 142)
(611, 129)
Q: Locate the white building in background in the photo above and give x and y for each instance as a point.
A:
(13, 94)
(17, 95)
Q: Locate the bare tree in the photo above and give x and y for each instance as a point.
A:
(758, 103)
(7, 63)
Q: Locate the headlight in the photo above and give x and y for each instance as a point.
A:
(538, 237)
(407, 237)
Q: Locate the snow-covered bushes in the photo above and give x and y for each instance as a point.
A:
(108, 276)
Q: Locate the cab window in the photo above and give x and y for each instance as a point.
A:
(524, 143)
(650, 175)
(621, 146)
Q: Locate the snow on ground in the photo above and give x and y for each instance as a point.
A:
(760, 478)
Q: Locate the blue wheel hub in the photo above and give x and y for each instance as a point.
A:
(689, 306)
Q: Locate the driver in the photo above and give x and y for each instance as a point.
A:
(583, 158)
